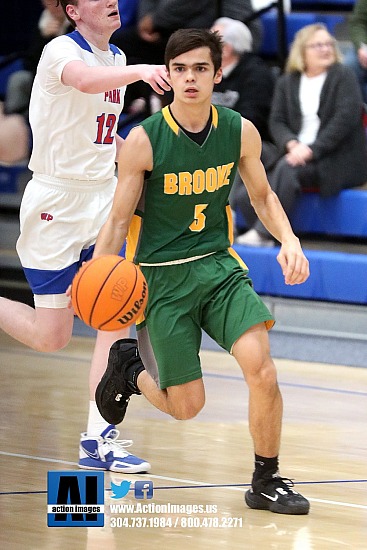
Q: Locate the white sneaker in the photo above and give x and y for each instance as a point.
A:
(106, 452)
(254, 238)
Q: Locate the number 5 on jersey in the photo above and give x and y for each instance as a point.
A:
(199, 222)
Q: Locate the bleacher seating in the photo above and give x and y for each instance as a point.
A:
(327, 5)
(335, 276)
(9, 177)
(294, 21)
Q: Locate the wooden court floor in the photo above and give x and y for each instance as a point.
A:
(205, 461)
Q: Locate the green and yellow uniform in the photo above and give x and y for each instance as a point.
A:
(181, 236)
(184, 210)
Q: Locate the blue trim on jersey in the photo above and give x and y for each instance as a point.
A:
(114, 49)
(81, 41)
(47, 281)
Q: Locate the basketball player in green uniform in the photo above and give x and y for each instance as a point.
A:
(175, 174)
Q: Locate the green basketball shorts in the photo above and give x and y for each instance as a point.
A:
(212, 293)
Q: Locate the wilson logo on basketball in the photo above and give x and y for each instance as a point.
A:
(126, 318)
(119, 290)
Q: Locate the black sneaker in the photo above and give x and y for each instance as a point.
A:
(119, 381)
(276, 494)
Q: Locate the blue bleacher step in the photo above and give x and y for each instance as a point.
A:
(335, 5)
(344, 214)
(335, 276)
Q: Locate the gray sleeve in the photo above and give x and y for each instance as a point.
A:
(279, 124)
(242, 10)
(237, 9)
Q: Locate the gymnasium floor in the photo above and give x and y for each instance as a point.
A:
(205, 461)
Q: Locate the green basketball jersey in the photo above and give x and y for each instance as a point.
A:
(184, 210)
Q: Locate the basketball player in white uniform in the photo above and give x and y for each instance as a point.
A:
(76, 101)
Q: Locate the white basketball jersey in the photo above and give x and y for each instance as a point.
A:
(74, 132)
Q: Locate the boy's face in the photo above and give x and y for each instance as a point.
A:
(192, 76)
(98, 15)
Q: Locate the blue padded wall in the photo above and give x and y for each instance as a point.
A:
(335, 276)
(344, 214)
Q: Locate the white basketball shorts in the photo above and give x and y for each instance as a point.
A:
(59, 223)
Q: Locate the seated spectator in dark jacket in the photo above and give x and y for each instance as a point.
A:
(248, 83)
(316, 123)
(247, 86)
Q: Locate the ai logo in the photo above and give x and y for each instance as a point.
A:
(75, 499)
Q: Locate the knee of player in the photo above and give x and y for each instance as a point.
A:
(52, 343)
(187, 409)
(264, 376)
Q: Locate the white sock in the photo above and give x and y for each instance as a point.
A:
(96, 423)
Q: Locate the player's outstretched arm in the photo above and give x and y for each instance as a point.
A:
(131, 171)
(267, 206)
(95, 80)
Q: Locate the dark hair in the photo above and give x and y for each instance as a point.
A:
(185, 40)
(63, 4)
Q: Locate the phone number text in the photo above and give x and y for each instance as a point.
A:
(179, 522)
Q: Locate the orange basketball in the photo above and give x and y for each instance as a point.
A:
(109, 293)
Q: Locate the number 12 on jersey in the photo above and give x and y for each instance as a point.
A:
(105, 126)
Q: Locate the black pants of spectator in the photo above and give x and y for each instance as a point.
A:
(287, 181)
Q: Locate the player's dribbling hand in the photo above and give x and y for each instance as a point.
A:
(68, 294)
(293, 262)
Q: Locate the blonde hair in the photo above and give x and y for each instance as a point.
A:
(296, 57)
